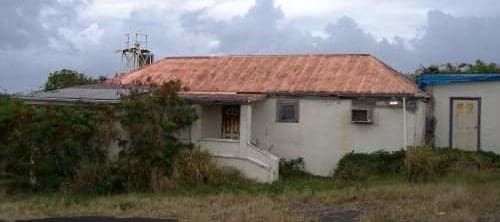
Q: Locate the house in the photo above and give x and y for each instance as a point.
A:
(318, 107)
(465, 109)
(255, 110)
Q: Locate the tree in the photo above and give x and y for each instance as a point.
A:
(66, 78)
(152, 122)
(482, 67)
(462, 68)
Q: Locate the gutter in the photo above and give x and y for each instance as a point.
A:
(44, 101)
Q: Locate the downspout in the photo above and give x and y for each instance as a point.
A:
(405, 133)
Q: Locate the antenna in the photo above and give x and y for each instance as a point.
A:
(135, 55)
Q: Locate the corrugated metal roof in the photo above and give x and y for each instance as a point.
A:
(341, 74)
(108, 93)
(96, 93)
(443, 79)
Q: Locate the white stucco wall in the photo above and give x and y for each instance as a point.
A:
(211, 120)
(325, 132)
(489, 92)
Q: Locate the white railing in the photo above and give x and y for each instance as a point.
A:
(253, 162)
(270, 160)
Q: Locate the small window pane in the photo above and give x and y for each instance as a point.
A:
(360, 115)
(287, 113)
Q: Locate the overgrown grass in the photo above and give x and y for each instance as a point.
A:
(466, 196)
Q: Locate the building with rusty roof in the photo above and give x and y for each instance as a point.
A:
(255, 110)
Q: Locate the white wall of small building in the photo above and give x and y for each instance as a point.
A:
(489, 92)
(325, 133)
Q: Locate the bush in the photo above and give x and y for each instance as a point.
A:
(196, 167)
(361, 166)
(292, 167)
(51, 148)
(44, 146)
(424, 164)
(91, 178)
(151, 145)
(420, 164)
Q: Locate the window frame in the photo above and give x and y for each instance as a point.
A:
(364, 105)
(369, 113)
(294, 103)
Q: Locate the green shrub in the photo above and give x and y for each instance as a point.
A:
(292, 167)
(51, 148)
(151, 145)
(424, 164)
(44, 145)
(419, 164)
(362, 166)
(92, 178)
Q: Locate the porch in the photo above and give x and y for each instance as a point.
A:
(225, 130)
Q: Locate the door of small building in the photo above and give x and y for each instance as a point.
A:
(231, 122)
(465, 123)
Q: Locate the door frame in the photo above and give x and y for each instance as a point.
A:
(237, 117)
(478, 99)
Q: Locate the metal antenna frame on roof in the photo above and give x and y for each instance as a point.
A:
(136, 55)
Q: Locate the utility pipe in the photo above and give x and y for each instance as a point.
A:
(405, 135)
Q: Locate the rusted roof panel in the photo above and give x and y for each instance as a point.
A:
(354, 74)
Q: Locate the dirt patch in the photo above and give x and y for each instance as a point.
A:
(340, 213)
(96, 219)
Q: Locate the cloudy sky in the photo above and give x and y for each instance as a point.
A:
(41, 36)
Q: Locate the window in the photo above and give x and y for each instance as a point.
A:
(361, 116)
(287, 111)
(362, 111)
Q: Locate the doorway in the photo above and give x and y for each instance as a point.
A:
(231, 122)
(465, 123)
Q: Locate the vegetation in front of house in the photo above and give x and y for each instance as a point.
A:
(61, 152)
(417, 165)
(65, 148)
(471, 197)
(292, 168)
(366, 166)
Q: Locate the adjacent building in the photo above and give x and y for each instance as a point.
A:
(465, 110)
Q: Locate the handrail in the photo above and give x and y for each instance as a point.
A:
(251, 160)
(267, 161)
(265, 152)
(218, 140)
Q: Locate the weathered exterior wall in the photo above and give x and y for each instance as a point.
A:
(211, 120)
(489, 92)
(325, 132)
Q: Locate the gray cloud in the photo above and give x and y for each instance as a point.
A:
(445, 38)
(261, 30)
(20, 24)
(42, 36)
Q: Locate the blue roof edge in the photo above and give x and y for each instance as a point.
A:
(443, 79)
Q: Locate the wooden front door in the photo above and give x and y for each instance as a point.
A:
(465, 114)
(231, 122)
